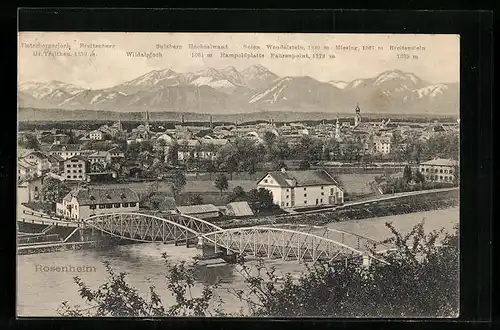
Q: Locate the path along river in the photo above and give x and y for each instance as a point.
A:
(40, 293)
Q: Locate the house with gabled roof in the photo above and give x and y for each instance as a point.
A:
(293, 189)
(84, 202)
(40, 159)
(75, 168)
(440, 170)
(65, 151)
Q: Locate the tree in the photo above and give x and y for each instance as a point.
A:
(208, 166)
(407, 175)
(269, 138)
(195, 199)
(418, 177)
(146, 146)
(238, 194)
(72, 137)
(304, 165)
(281, 165)
(53, 190)
(133, 151)
(308, 148)
(178, 181)
(221, 182)
(283, 149)
(173, 154)
(28, 141)
(261, 199)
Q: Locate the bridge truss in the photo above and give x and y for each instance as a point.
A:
(286, 242)
(281, 243)
(170, 228)
(356, 241)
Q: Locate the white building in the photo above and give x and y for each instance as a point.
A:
(40, 160)
(96, 135)
(302, 188)
(65, 151)
(25, 169)
(439, 170)
(383, 145)
(75, 168)
(84, 202)
(116, 153)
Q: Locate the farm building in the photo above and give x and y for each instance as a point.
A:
(203, 211)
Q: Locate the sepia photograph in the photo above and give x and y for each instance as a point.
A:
(238, 175)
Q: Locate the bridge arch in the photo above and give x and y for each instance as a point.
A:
(272, 242)
(357, 241)
(150, 228)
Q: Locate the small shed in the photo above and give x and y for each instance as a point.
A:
(239, 209)
(202, 211)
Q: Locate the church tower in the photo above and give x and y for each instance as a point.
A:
(337, 129)
(357, 116)
(146, 125)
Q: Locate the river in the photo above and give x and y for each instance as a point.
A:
(41, 293)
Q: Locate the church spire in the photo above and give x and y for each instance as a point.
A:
(357, 116)
(337, 128)
(146, 125)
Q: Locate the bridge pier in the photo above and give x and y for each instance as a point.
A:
(366, 260)
(201, 242)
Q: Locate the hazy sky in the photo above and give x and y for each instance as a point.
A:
(439, 62)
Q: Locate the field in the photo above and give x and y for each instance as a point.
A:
(356, 184)
(190, 187)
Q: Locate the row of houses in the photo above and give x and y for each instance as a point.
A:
(290, 189)
(86, 201)
(68, 160)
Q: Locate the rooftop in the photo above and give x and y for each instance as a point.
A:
(196, 209)
(36, 153)
(65, 147)
(441, 162)
(25, 163)
(93, 195)
(77, 157)
(239, 209)
(303, 178)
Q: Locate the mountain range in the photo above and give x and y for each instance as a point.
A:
(254, 89)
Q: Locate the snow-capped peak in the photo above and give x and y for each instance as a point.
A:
(41, 89)
(152, 78)
(339, 83)
(273, 91)
(431, 90)
(394, 75)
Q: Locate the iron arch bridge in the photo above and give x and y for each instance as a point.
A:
(276, 242)
(359, 242)
(170, 228)
(286, 242)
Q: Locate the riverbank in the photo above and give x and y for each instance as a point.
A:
(403, 205)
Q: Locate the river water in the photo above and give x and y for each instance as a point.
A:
(40, 293)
